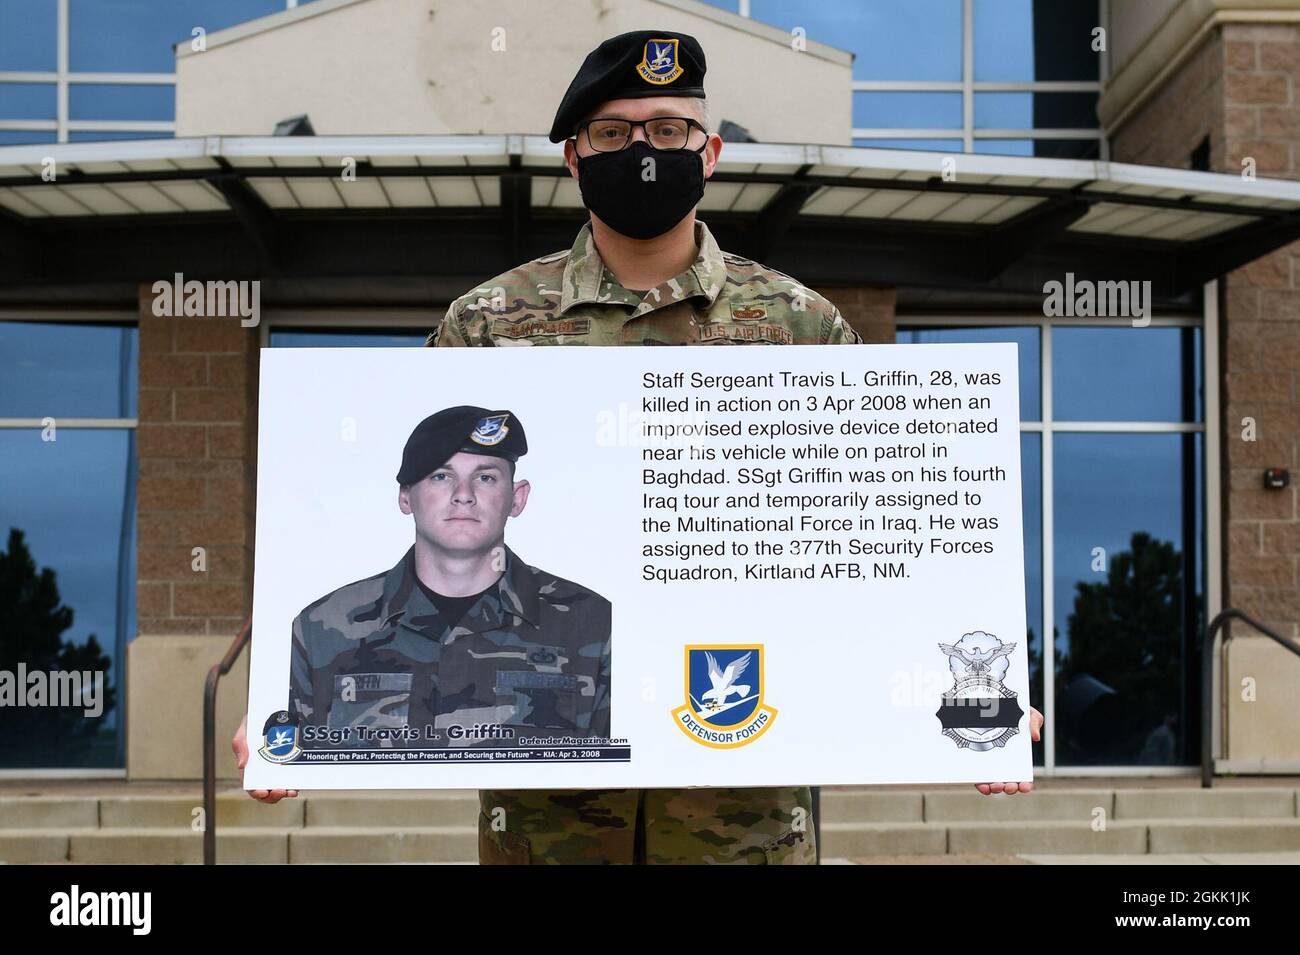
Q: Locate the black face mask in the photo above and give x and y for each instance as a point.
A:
(612, 187)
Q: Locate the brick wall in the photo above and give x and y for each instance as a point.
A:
(1239, 88)
(868, 309)
(196, 446)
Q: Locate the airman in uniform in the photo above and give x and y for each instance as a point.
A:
(644, 271)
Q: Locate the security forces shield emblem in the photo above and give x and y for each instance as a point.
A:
(724, 695)
(280, 736)
(659, 62)
(491, 430)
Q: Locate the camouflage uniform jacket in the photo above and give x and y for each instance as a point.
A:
(570, 298)
(532, 655)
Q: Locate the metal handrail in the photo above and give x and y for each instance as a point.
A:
(210, 740)
(1207, 678)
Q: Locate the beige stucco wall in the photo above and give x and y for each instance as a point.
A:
(1131, 23)
(429, 67)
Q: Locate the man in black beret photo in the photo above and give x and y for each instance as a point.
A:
(461, 644)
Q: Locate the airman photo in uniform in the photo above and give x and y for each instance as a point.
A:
(461, 643)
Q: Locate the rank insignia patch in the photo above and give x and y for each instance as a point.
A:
(748, 311)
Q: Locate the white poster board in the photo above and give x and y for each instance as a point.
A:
(812, 558)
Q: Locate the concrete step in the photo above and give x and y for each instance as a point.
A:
(1064, 805)
(360, 845)
(418, 810)
(158, 826)
(1205, 803)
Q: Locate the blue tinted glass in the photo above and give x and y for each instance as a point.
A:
(28, 101)
(1011, 46)
(87, 101)
(731, 6)
(74, 500)
(1126, 374)
(62, 369)
(1043, 148)
(1128, 597)
(916, 40)
(929, 145)
(137, 36)
(347, 339)
(1004, 110)
(94, 135)
(1025, 338)
(1005, 147)
(24, 137)
(29, 35)
(1004, 40)
(907, 110)
(1035, 110)
(1031, 482)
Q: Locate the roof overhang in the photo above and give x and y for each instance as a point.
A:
(472, 206)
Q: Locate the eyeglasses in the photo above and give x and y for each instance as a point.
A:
(662, 132)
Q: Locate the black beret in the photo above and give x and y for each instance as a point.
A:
(463, 428)
(641, 63)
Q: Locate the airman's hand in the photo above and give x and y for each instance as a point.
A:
(240, 745)
(1035, 725)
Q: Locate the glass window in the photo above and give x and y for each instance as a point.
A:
(1126, 374)
(29, 35)
(1031, 484)
(1128, 597)
(1036, 110)
(916, 40)
(137, 36)
(95, 136)
(23, 137)
(67, 558)
(907, 110)
(929, 145)
(1005, 147)
(28, 101)
(1067, 148)
(121, 101)
(1012, 45)
(348, 338)
(1024, 336)
(65, 370)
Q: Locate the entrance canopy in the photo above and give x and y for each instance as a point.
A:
(466, 207)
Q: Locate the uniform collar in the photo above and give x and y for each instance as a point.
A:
(585, 273)
(515, 595)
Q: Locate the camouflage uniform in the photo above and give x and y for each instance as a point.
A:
(570, 298)
(532, 655)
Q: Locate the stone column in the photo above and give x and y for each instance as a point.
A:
(196, 444)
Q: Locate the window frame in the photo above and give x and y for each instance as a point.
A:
(1047, 426)
(88, 316)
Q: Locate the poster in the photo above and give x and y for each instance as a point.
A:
(707, 567)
